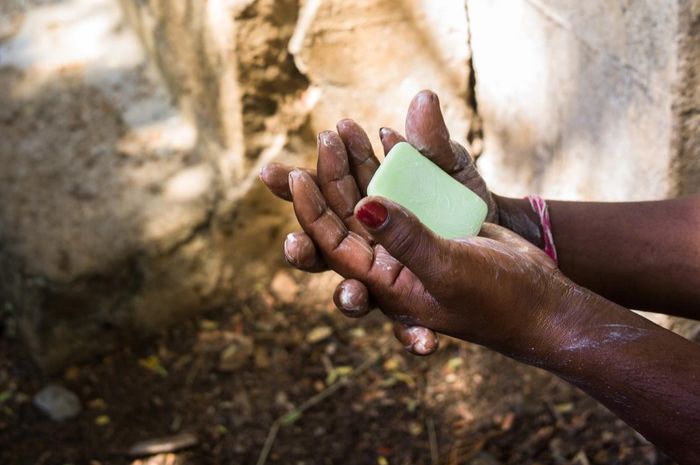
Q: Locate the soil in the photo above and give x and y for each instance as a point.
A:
(463, 405)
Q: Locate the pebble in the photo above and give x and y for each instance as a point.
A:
(163, 445)
(58, 402)
(284, 287)
(484, 458)
(236, 354)
(318, 334)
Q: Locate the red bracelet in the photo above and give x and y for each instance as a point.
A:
(539, 205)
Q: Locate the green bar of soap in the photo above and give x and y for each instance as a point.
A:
(441, 203)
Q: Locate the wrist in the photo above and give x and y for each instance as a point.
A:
(554, 313)
(584, 329)
(518, 216)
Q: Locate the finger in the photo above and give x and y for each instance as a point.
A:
(405, 238)
(427, 132)
(276, 178)
(398, 291)
(345, 251)
(505, 236)
(301, 253)
(351, 297)
(337, 184)
(363, 162)
(416, 339)
(389, 139)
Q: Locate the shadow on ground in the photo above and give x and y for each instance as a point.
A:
(484, 408)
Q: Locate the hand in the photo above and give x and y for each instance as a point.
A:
(497, 290)
(344, 174)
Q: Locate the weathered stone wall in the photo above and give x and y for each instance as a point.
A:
(129, 182)
(120, 211)
(367, 59)
(132, 131)
(593, 100)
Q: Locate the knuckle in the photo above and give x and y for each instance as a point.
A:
(404, 243)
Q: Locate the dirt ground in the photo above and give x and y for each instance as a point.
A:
(368, 402)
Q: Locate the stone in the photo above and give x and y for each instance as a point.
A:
(318, 334)
(284, 287)
(262, 359)
(163, 445)
(591, 100)
(57, 402)
(236, 354)
(129, 186)
(367, 59)
(484, 458)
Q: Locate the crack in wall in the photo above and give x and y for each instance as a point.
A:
(634, 74)
(476, 133)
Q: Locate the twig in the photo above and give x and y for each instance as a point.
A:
(193, 371)
(269, 441)
(295, 413)
(432, 438)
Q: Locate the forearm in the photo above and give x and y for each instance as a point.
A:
(648, 376)
(643, 255)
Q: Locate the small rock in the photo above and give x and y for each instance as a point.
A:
(163, 445)
(318, 334)
(484, 458)
(236, 354)
(97, 404)
(214, 341)
(262, 359)
(57, 402)
(284, 287)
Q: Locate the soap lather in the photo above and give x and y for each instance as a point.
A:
(439, 201)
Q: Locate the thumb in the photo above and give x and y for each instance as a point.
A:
(408, 240)
(427, 132)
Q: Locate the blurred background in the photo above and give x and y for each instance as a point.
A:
(146, 313)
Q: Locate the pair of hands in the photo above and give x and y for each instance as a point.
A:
(497, 289)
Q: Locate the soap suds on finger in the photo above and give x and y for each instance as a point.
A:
(350, 299)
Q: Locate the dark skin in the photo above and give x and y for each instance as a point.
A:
(501, 291)
(652, 270)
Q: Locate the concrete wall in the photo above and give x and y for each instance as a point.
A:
(588, 100)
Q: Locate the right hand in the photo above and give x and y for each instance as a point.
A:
(496, 289)
(346, 164)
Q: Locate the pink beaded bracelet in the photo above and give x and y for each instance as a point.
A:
(539, 205)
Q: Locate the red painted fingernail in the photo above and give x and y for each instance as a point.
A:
(372, 214)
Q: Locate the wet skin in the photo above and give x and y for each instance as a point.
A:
(500, 290)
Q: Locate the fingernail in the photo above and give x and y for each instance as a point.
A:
(293, 176)
(261, 174)
(372, 214)
(344, 123)
(289, 243)
(324, 138)
(427, 97)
